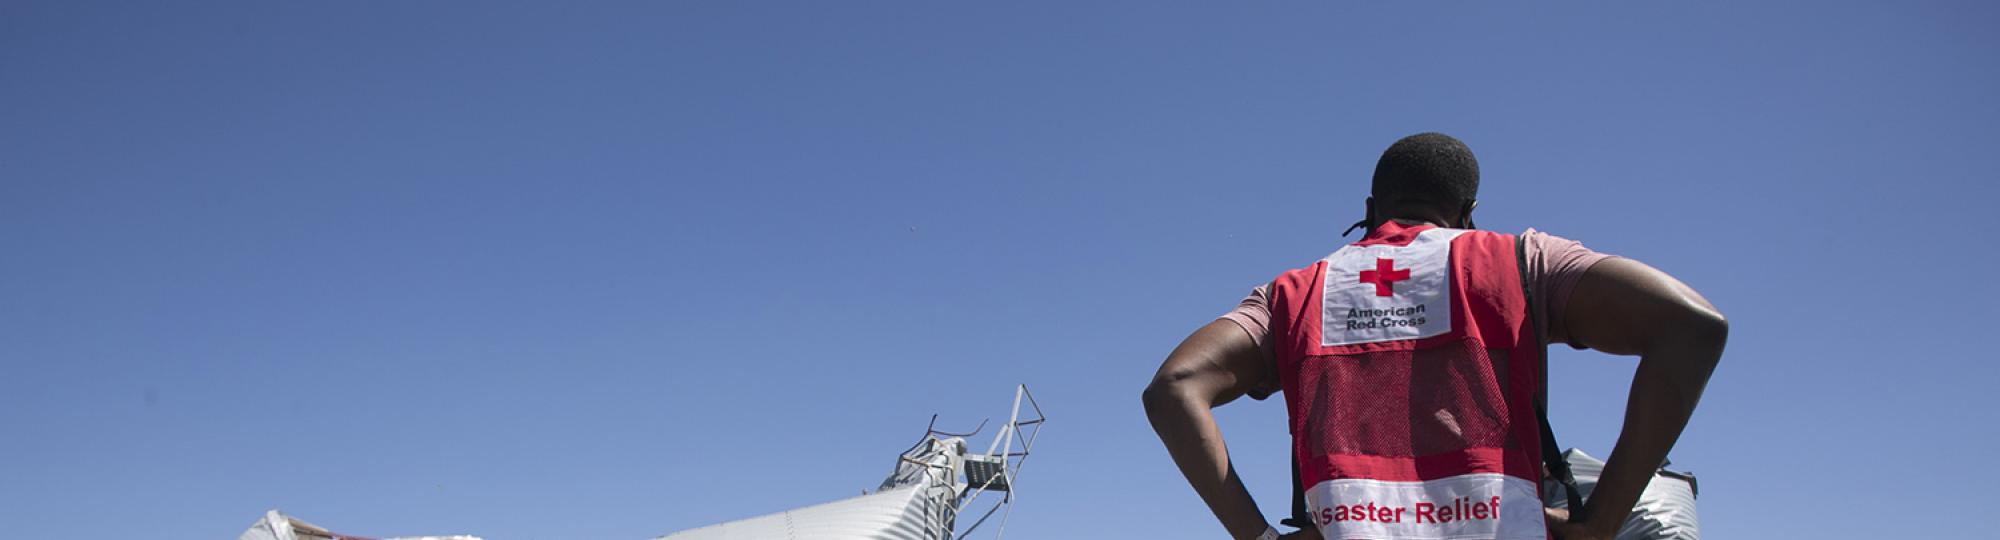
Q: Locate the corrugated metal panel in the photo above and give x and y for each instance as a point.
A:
(914, 503)
(898, 514)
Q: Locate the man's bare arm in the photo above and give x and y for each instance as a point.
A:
(1623, 307)
(1215, 365)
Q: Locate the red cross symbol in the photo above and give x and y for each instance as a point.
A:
(1383, 275)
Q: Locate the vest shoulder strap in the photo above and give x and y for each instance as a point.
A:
(1551, 451)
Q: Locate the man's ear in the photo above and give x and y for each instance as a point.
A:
(1465, 214)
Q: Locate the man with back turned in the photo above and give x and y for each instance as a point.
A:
(1411, 367)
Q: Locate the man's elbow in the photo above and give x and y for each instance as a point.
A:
(1711, 327)
(1158, 393)
(1705, 329)
(1169, 389)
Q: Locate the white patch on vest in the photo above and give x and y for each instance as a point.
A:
(1417, 276)
(1478, 505)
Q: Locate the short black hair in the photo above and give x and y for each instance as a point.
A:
(1428, 167)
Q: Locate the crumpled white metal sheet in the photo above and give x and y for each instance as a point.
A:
(1665, 510)
(278, 526)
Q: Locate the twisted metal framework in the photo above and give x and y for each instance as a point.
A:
(941, 458)
(1009, 462)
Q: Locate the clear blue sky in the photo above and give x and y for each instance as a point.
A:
(610, 271)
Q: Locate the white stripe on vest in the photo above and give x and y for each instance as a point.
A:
(1388, 293)
(1470, 506)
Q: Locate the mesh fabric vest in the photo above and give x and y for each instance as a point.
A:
(1409, 370)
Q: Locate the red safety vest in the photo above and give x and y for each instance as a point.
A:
(1409, 366)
